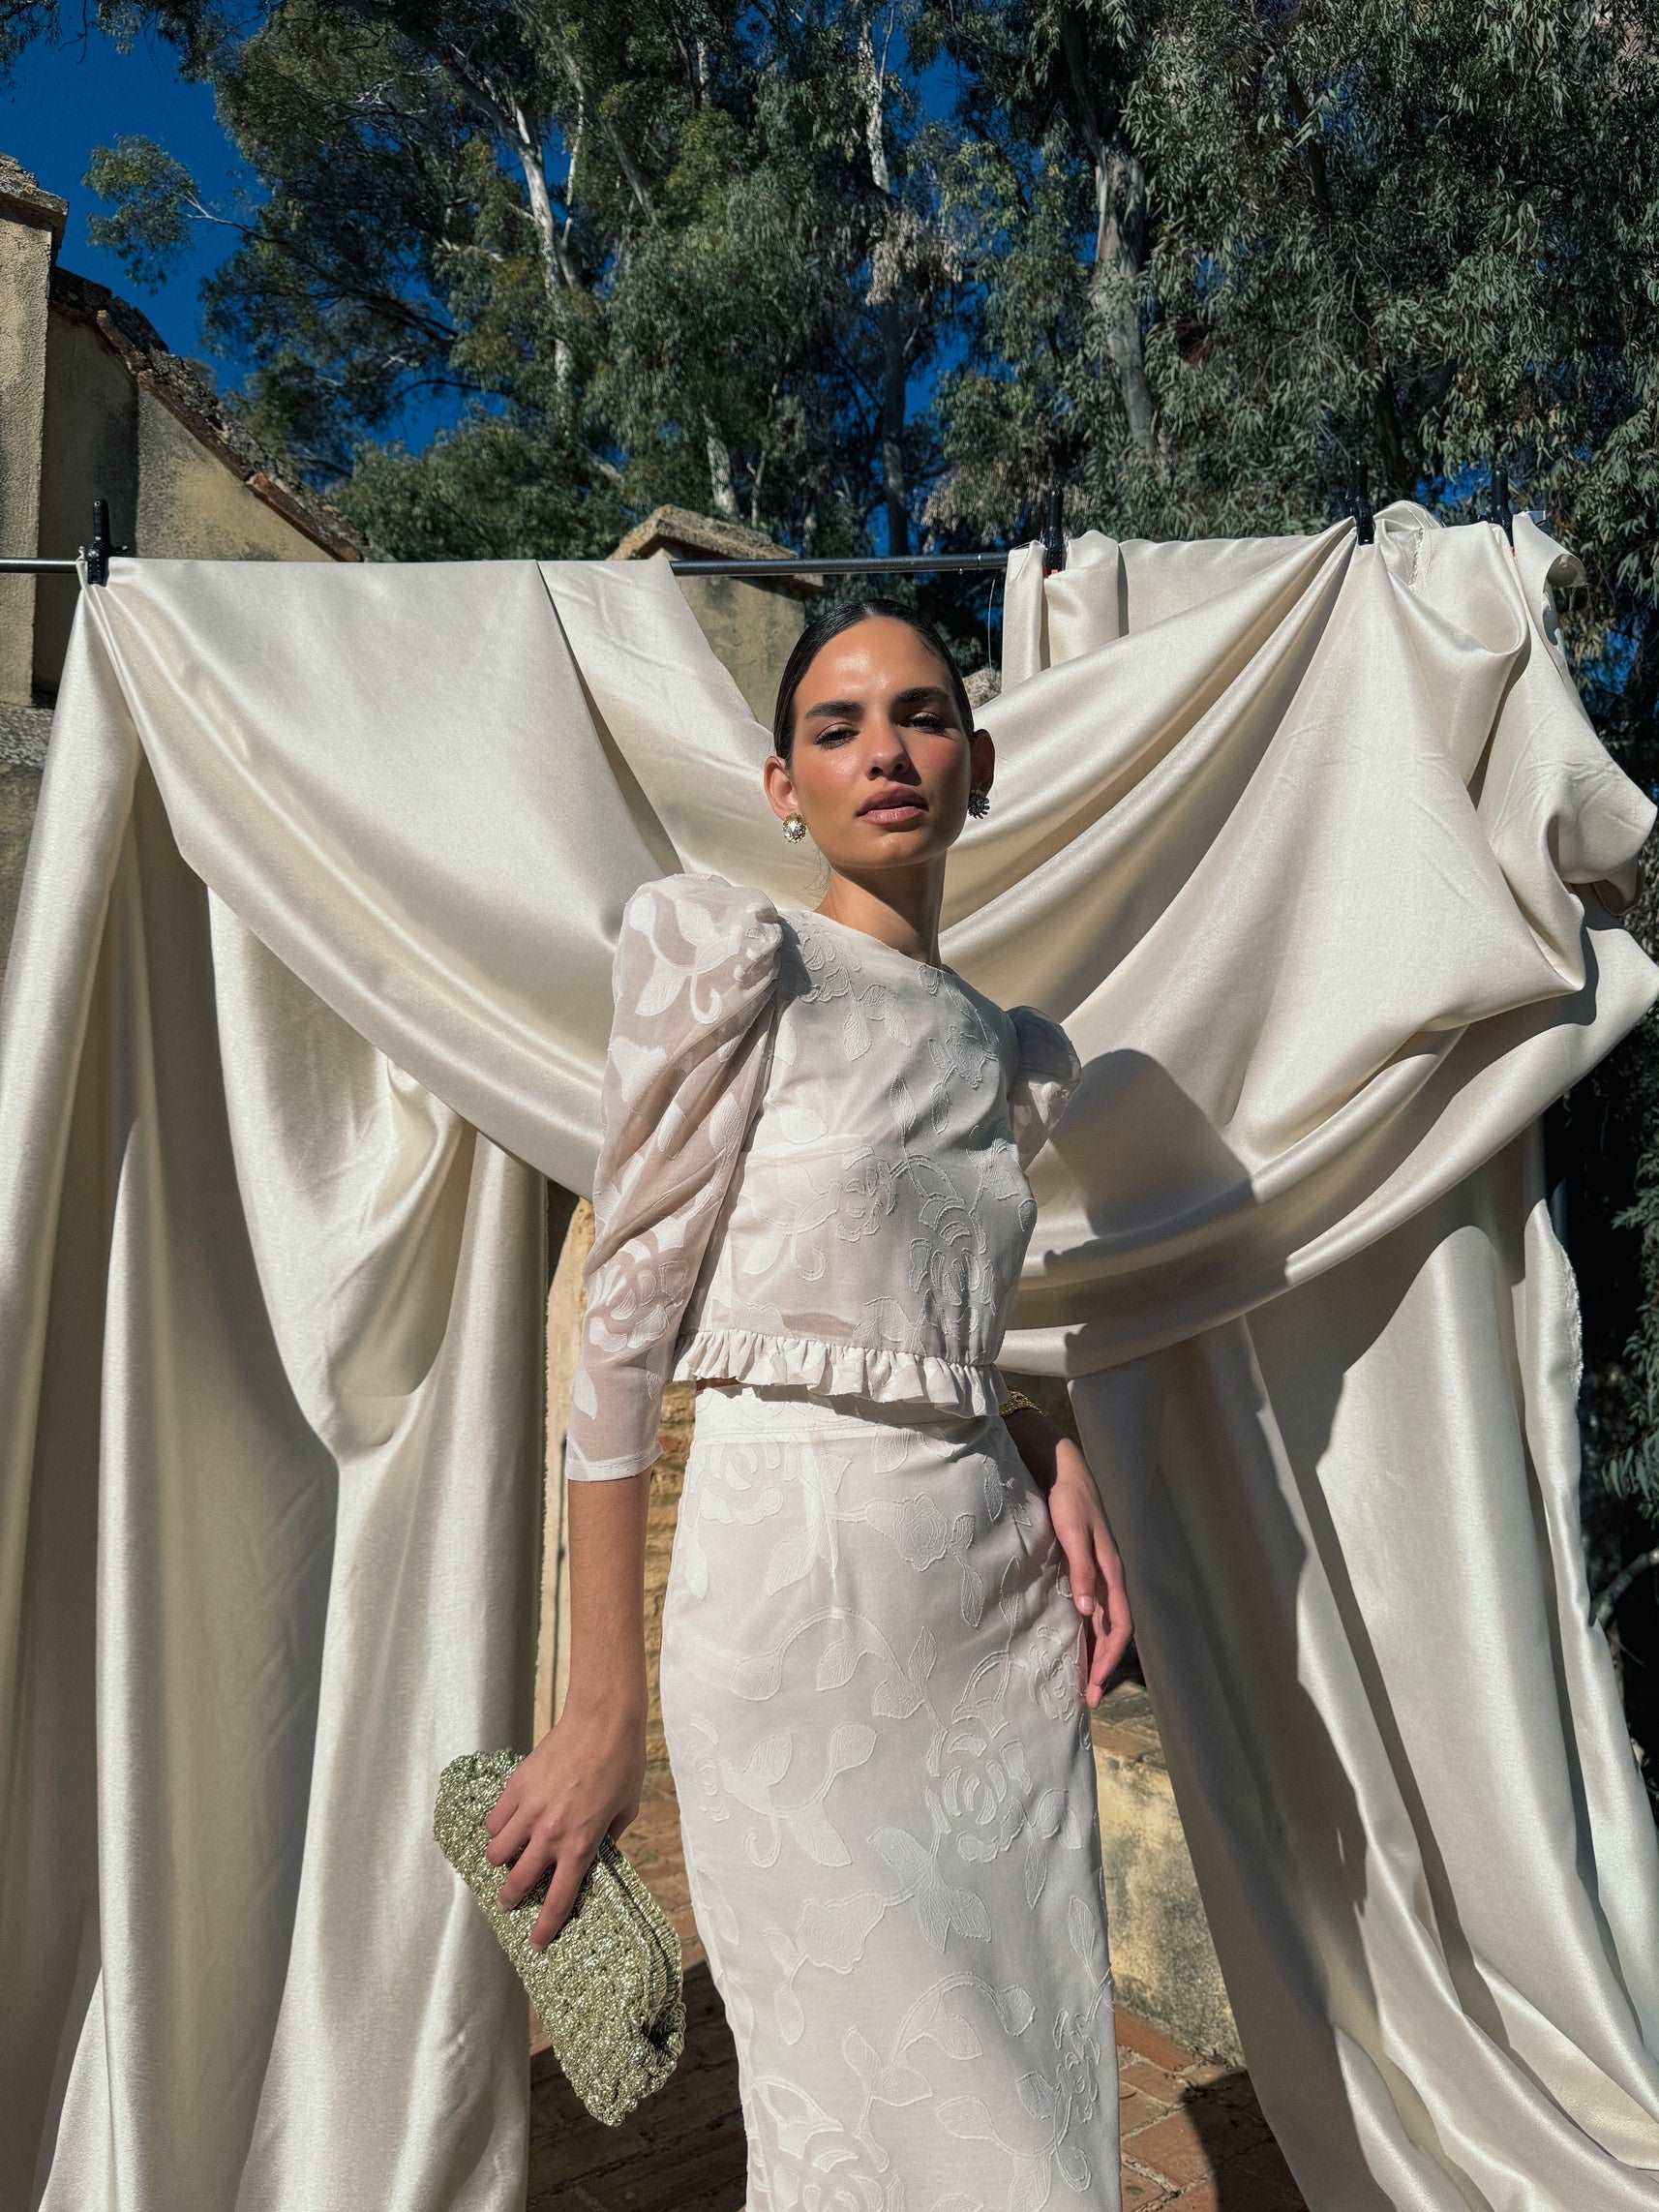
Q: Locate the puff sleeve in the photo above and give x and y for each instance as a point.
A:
(694, 985)
(1046, 1072)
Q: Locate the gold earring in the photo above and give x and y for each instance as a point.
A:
(795, 828)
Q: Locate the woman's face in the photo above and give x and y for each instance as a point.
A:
(874, 714)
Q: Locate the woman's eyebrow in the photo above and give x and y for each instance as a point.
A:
(911, 698)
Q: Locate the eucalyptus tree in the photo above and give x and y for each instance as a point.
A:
(1240, 252)
(1221, 259)
(653, 257)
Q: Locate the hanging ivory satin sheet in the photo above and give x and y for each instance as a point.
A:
(1350, 868)
(1314, 851)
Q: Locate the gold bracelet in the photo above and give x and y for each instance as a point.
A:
(1012, 1404)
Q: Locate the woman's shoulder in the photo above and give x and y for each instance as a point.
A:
(691, 930)
(1042, 1049)
(1048, 1070)
(704, 902)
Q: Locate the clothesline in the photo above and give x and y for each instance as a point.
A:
(96, 553)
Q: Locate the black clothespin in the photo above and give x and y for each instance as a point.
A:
(1499, 511)
(1053, 534)
(1359, 506)
(99, 551)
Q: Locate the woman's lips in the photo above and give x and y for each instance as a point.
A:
(895, 814)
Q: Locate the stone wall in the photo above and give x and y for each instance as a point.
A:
(96, 405)
(108, 435)
(31, 222)
(23, 758)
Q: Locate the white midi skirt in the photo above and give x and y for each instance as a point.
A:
(871, 1690)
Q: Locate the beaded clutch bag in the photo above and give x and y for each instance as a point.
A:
(608, 1987)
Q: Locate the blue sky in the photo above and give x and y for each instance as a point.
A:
(63, 101)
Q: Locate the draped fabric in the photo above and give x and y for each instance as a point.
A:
(1350, 883)
(1314, 851)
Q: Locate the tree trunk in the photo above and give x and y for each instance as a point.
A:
(895, 506)
(1120, 233)
(556, 270)
(1120, 244)
(723, 500)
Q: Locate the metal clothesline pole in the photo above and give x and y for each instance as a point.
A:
(886, 564)
(894, 564)
(1358, 505)
(918, 563)
(96, 557)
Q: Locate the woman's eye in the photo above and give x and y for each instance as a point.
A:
(933, 722)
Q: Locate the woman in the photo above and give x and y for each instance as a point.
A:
(889, 1610)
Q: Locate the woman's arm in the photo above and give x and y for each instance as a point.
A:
(607, 1522)
(1095, 1571)
(585, 1776)
(692, 983)
(1037, 1436)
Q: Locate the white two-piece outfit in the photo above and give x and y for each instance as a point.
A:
(810, 1199)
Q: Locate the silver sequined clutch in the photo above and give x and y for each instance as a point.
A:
(608, 1987)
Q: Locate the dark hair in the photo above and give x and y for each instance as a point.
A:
(831, 623)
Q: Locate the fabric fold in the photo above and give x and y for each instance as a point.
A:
(1329, 929)
(1348, 1508)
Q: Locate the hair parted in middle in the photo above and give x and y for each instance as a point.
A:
(831, 623)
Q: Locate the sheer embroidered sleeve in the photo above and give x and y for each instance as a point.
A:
(1048, 1070)
(694, 983)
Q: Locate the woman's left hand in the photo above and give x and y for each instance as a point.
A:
(1095, 1571)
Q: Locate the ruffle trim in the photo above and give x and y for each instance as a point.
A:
(839, 1370)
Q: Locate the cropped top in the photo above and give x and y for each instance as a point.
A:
(812, 1167)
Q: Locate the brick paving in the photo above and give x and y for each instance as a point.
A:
(1192, 2136)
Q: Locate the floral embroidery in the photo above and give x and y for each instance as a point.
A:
(694, 981)
(888, 1812)
(810, 1169)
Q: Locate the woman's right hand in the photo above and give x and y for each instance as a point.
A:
(584, 1780)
